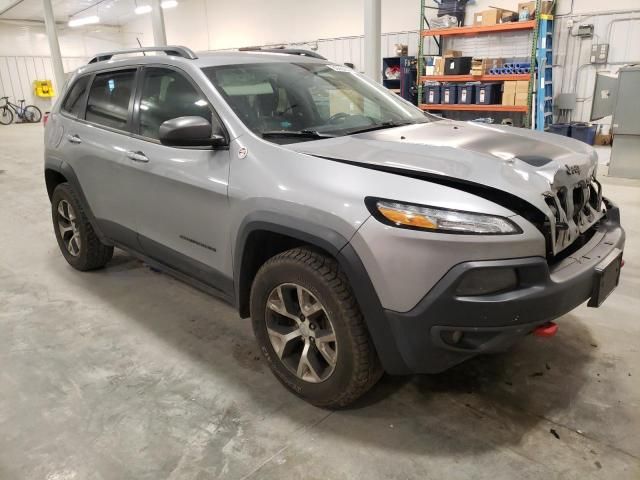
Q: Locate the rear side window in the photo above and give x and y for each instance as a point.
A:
(109, 97)
(74, 101)
(167, 94)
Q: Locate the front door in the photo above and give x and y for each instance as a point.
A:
(181, 193)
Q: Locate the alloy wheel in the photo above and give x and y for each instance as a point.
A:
(69, 231)
(301, 332)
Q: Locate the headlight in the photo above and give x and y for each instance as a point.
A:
(441, 220)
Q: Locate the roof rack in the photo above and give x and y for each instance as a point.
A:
(288, 51)
(173, 50)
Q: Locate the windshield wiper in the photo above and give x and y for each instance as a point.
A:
(295, 133)
(379, 126)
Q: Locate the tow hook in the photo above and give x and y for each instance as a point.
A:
(548, 329)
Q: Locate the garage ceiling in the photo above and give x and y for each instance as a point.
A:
(111, 12)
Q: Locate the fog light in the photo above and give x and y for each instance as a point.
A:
(483, 281)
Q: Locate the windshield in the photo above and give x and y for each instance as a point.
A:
(292, 102)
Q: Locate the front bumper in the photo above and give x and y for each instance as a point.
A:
(491, 323)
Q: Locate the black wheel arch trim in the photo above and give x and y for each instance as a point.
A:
(64, 169)
(339, 247)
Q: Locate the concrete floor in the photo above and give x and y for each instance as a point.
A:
(128, 374)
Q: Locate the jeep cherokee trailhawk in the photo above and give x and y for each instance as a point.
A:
(360, 234)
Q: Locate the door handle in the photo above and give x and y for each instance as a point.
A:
(138, 157)
(74, 139)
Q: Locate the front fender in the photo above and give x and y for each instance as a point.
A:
(339, 247)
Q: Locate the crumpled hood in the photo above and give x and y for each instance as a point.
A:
(522, 162)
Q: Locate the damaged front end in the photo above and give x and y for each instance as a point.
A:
(575, 207)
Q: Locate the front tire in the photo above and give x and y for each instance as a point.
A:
(76, 238)
(310, 329)
(6, 116)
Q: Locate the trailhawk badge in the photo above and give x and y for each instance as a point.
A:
(572, 170)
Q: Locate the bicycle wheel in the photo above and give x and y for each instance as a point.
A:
(6, 116)
(32, 114)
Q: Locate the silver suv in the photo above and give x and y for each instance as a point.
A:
(358, 233)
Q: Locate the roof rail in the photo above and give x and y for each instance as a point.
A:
(288, 51)
(173, 50)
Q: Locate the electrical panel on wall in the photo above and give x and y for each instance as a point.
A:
(585, 30)
(599, 53)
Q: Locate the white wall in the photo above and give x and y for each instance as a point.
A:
(24, 56)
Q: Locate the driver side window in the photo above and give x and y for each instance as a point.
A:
(167, 94)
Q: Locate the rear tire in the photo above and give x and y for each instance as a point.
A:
(6, 116)
(32, 114)
(298, 347)
(76, 238)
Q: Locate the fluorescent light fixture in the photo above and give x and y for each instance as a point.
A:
(169, 4)
(79, 22)
(142, 9)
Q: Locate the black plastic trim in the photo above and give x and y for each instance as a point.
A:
(349, 261)
(542, 294)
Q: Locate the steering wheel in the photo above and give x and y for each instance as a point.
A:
(336, 118)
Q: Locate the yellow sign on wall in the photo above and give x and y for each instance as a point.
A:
(43, 88)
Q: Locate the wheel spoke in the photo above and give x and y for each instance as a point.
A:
(323, 344)
(307, 366)
(283, 343)
(74, 245)
(62, 211)
(308, 307)
(277, 303)
(64, 229)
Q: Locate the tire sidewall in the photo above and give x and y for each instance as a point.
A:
(64, 192)
(37, 113)
(290, 271)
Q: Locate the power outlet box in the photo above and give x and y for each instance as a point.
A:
(585, 30)
(599, 53)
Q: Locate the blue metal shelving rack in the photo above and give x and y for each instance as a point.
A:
(544, 73)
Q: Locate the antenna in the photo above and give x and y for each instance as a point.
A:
(140, 45)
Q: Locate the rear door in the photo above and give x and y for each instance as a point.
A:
(181, 193)
(97, 142)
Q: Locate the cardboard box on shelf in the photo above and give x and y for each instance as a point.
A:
(452, 53)
(522, 86)
(509, 93)
(477, 66)
(493, 16)
(508, 16)
(526, 11)
(438, 66)
(477, 19)
(546, 7)
(521, 98)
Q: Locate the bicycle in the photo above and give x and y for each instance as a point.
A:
(26, 113)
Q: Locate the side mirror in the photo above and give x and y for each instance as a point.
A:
(191, 132)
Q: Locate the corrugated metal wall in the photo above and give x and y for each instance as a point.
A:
(18, 73)
(573, 72)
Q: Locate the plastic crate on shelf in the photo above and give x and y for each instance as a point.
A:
(449, 94)
(487, 94)
(467, 94)
(431, 94)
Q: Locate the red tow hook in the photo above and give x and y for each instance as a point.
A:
(547, 330)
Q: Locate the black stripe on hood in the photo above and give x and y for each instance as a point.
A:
(504, 199)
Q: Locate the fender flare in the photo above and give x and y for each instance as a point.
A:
(64, 169)
(339, 247)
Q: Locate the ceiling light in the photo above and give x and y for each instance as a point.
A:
(78, 22)
(169, 4)
(142, 9)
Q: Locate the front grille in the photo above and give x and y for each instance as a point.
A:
(574, 210)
